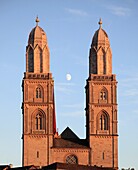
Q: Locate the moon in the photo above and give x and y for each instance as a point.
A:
(68, 77)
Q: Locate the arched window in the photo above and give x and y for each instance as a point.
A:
(38, 59)
(39, 122)
(103, 122)
(71, 159)
(38, 92)
(103, 95)
(41, 63)
(31, 60)
(102, 61)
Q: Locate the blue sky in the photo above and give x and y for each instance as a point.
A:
(69, 26)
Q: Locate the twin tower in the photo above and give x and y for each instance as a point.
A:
(41, 144)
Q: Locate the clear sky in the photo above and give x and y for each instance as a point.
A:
(69, 26)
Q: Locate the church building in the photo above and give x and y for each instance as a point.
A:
(42, 145)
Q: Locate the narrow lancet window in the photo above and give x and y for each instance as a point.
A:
(39, 122)
(103, 122)
(103, 95)
(103, 155)
(37, 154)
(31, 60)
(38, 92)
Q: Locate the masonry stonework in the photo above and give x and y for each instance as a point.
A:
(101, 103)
(42, 145)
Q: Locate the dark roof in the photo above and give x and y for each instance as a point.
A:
(56, 166)
(64, 166)
(68, 139)
(68, 134)
(68, 143)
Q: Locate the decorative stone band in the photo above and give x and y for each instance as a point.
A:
(102, 77)
(37, 76)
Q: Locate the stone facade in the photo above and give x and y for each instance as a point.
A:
(101, 103)
(41, 144)
(38, 101)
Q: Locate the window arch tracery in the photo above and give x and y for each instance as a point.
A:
(38, 92)
(39, 121)
(103, 95)
(103, 122)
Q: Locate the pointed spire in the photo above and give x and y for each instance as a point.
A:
(100, 23)
(37, 20)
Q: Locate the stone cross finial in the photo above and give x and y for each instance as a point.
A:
(100, 23)
(37, 20)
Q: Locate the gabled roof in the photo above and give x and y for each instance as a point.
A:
(68, 134)
(66, 143)
(68, 139)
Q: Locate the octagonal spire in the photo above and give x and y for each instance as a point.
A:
(100, 58)
(37, 51)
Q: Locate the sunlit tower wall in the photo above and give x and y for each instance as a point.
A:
(39, 125)
(101, 103)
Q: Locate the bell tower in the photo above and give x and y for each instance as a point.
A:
(101, 103)
(38, 107)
